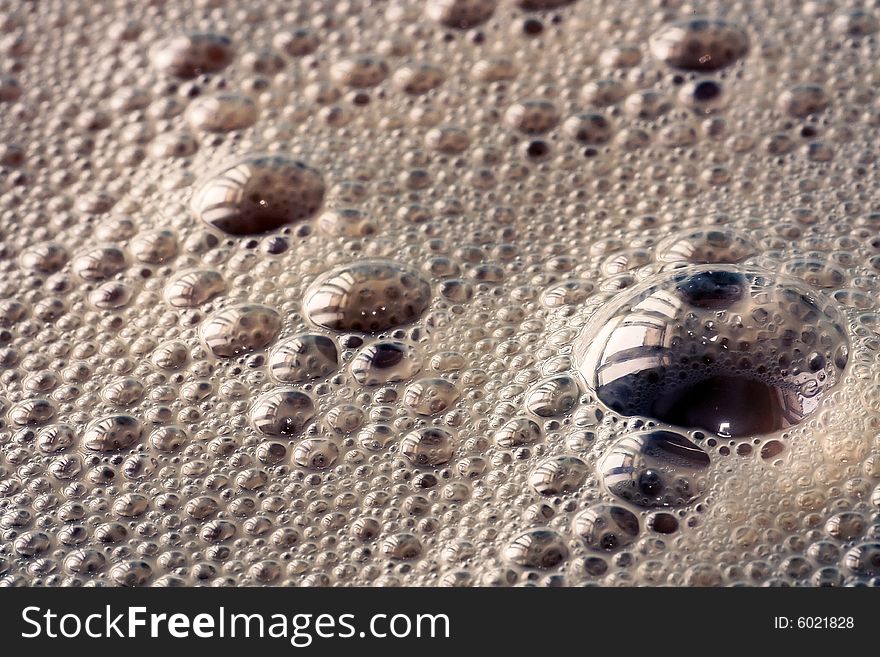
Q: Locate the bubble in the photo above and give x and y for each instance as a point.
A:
(572, 292)
(606, 527)
(430, 396)
(168, 439)
(460, 14)
(304, 357)
(316, 453)
(603, 92)
(190, 55)
(494, 69)
(703, 95)
(257, 194)
(646, 105)
(282, 412)
(537, 548)
(385, 362)
(99, 263)
(32, 412)
(428, 447)
(553, 397)
(588, 128)
(298, 42)
(84, 561)
(532, 116)
(217, 531)
(346, 222)
(222, 112)
(154, 247)
(368, 296)
(541, 5)
(170, 355)
(360, 72)
(803, 100)
(855, 23)
(662, 522)
(239, 329)
(447, 139)
(193, 288)
(700, 44)
(863, 560)
(376, 437)
(418, 78)
(10, 89)
(56, 438)
(517, 432)
(815, 271)
(739, 352)
(113, 433)
(655, 468)
(124, 391)
(345, 418)
(705, 246)
(557, 475)
(403, 546)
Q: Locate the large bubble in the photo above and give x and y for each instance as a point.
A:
(368, 296)
(732, 350)
(257, 194)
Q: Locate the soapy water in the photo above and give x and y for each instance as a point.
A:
(456, 292)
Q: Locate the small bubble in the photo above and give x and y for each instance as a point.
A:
(655, 468)
(700, 44)
(240, 329)
(369, 296)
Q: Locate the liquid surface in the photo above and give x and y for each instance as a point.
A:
(442, 293)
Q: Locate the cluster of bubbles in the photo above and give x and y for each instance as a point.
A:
(455, 292)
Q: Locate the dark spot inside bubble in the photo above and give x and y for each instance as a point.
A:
(650, 483)
(706, 90)
(351, 341)
(361, 98)
(590, 152)
(537, 149)
(532, 27)
(677, 79)
(251, 244)
(595, 566)
(771, 448)
(743, 449)
(712, 289)
(663, 444)
(730, 406)
(479, 37)
(608, 542)
(809, 131)
(387, 355)
(276, 245)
